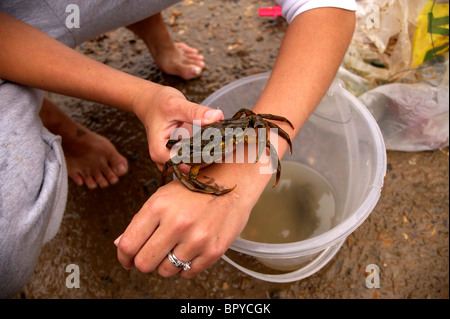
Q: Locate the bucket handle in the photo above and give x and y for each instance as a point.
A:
(316, 264)
(287, 277)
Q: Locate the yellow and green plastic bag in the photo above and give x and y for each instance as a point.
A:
(431, 37)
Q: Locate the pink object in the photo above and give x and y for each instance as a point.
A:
(274, 11)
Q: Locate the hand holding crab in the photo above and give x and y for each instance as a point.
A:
(250, 121)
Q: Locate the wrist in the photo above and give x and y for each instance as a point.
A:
(143, 98)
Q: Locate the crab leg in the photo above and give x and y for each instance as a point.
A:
(186, 182)
(171, 143)
(167, 165)
(261, 145)
(241, 112)
(274, 154)
(204, 188)
(276, 118)
(254, 140)
(282, 133)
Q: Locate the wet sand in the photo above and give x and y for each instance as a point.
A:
(406, 235)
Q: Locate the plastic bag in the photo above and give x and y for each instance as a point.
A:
(399, 53)
(431, 36)
(412, 117)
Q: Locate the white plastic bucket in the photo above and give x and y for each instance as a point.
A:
(354, 166)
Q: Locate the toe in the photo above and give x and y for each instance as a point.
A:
(101, 180)
(120, 168)
(185, 48)
(195, 62)
(90, 182)
(110, 175)
(197, 59)
(77, 178)
(196, 71)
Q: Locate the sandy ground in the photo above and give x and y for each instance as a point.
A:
(406, 235)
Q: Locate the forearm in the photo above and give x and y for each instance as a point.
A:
(309, 57)
(30, 57)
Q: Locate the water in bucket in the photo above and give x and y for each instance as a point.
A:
(301, 206)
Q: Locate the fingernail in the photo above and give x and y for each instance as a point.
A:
(116, 242)
(213, 115)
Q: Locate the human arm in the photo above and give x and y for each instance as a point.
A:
(30, 57)
(307, 62)
(201, 227)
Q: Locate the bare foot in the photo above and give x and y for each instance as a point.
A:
(91, 159)
(181, 60)
(172, 58)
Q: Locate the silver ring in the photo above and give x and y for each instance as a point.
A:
(178, 263)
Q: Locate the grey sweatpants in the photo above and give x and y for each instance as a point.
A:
(33, 175)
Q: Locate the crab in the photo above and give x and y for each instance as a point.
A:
(244, 119)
